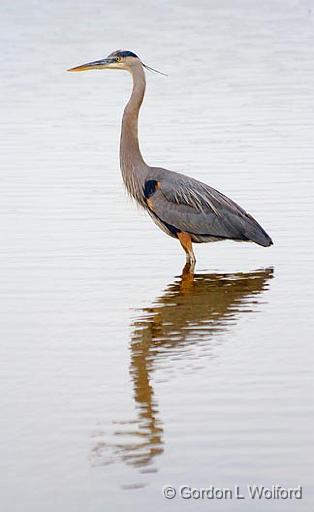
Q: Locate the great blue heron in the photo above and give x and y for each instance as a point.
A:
(183, 207)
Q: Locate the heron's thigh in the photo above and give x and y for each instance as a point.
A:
(185, 241)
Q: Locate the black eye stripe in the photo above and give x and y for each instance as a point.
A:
(126, 53)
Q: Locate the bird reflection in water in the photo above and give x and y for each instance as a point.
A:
(190, 314)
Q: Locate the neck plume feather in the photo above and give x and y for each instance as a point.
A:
(131, 161)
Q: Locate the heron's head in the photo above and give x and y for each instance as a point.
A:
(120, 59)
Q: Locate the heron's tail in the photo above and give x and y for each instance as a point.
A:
(254, 232)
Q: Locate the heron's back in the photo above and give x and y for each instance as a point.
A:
(188, 205)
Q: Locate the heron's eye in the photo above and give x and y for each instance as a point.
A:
(118, 59)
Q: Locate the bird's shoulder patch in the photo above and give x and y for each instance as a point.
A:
(150, 188)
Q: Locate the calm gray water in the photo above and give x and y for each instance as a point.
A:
(119, 374)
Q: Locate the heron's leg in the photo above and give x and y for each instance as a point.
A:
(188, 270)
(187, 279)
(186, 242)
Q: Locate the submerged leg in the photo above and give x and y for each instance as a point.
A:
(186, 242)
(188, 270)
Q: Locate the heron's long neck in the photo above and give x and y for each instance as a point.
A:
(131, 160)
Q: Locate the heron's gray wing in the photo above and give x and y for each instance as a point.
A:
(196, 208)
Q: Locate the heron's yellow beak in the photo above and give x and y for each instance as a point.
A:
(97, 64)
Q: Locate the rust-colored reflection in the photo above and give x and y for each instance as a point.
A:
(191, 312)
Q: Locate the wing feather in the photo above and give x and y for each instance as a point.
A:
(199, 209)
